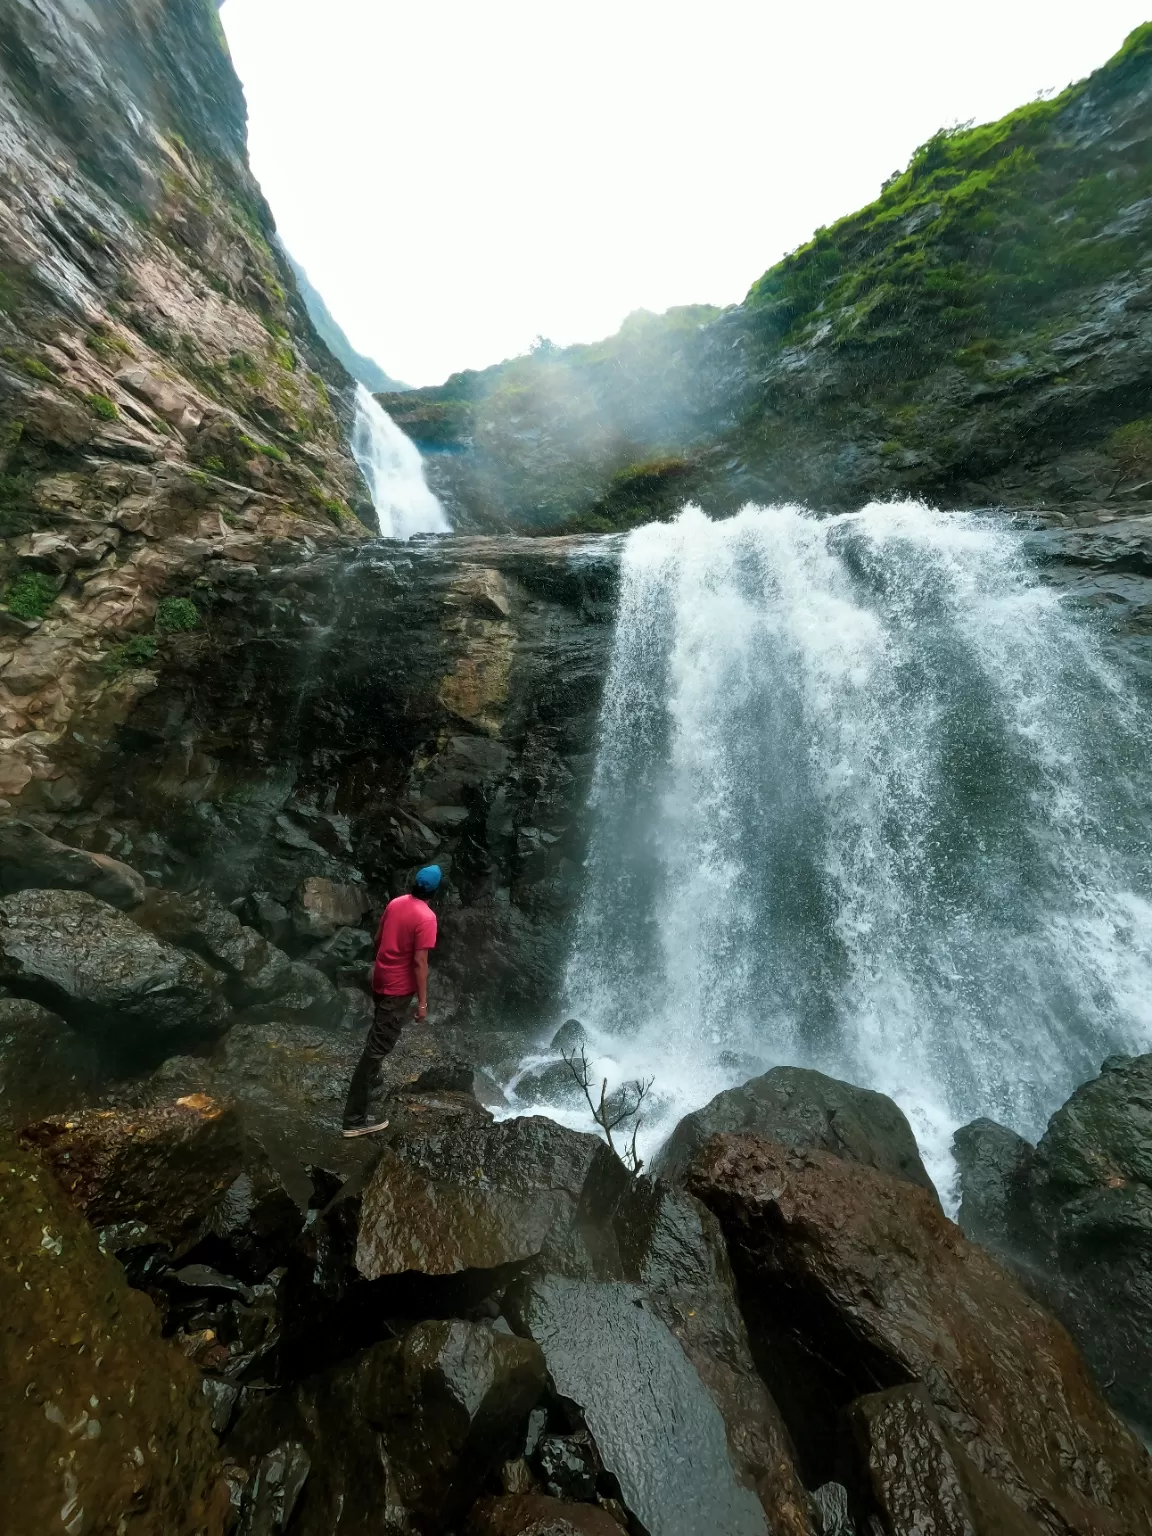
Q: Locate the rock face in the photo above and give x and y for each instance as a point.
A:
(104, 973)
(336, 723)
(163, 1168)
(29, 859)
(869, 1266)
(478, 1196)
(803, 1109)
(1073, 1217)
(103, 1422)
(643, 1403)
(165, 404)
(448, 1398)
(43, 1063)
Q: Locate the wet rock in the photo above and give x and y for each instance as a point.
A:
(163, 1168)
(569, 1466)
(643, 1403)
(345, 957)
(255, 970)
(803, 1109)
(269, 916)
(44, 1064)
(672, 1245)
(252, 1226)
(534, 1514)
(553, 1084)
(105, 974)
(270, 1498)
(472, 1195)
(853, 1281)
(300, 988)
(30, 860)
(449, 1398)
(347, 1491)
(1074, 1219)
(569, 1037)
(912, 1477)
(222, 1397)
(994, 1164)
(104, 1424)
(832, 1515)
(323, 906)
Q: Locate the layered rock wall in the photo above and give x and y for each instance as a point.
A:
(164, 401)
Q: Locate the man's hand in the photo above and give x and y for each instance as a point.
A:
(420, 961)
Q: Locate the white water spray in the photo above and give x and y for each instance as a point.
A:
(868, 799)
(391, 464)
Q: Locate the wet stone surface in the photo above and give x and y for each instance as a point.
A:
(803, 1109)
(655, 1426)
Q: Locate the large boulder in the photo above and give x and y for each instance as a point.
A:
(256, 971)
(995, 1164)
(322, 906)
(45, 1064)
(163, 1168)
(475, 1195)
(449, 1398)
(103, 1426)
(672, 1246)
(853, 1281)
(31, 860)
(1073, 1217)
(912, 1478)
(405, 1436)
(803, 1109)
(106, 975)
(655, 1425)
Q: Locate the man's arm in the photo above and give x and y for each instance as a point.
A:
(421, 964)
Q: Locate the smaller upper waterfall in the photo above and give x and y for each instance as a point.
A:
(394, 470)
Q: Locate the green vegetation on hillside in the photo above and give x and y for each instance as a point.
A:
(986, 224)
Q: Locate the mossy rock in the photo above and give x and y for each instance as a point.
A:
(105, 1425)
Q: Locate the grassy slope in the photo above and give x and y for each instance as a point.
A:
(985, 224)
(863, 363)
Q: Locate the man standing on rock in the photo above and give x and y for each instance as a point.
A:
(407, 932)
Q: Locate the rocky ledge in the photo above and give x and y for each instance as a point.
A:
(221, 1317)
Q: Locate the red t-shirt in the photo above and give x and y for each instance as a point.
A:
(408, 924)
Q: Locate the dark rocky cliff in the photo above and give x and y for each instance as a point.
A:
(352, 717)
(979, 335)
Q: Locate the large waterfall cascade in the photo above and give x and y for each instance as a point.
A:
(391, 464)
(869, 799)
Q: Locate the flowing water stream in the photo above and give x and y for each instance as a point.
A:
(868, 799)
(391, 464)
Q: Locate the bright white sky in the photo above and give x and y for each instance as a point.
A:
(460, 176)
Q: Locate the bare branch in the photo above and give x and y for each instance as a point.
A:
(613, 1110)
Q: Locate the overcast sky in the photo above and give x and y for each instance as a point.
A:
(460, 176)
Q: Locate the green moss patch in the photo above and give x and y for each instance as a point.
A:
(175, 615)
(130, 656)
(101, 406)
(31, 595)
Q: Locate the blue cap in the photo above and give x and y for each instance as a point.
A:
(428, 878)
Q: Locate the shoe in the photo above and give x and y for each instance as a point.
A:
(368, 1128)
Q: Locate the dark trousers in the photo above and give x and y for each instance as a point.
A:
(391, 1017)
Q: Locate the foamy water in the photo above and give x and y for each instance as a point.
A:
(869, 799)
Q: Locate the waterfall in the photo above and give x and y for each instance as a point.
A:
(391, 464)
(869, 799)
